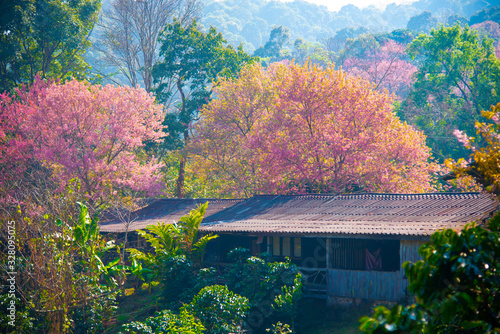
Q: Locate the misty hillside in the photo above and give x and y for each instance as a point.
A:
(250, 21)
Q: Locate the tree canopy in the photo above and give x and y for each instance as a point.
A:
(386, 66)
(296, 129)
(83, 131)
(46, 38)
(458, 76)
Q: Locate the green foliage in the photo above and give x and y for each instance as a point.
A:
(275, 287)
(192, 59)
(188, 237)
(205, 277)
(337, 42)
(287, 302)
(22, 319)
(220, 310)
(178, 279)
(457, 286)
(48, 38)
(176, 247)
(458, 77)
(358, 47)
(166, 322)
(191, 62)
(164, 238)
(422, 22)
(169, 240)
(280, 328)
(401, 36)
(314, 52)
(399, 319)
(274, 48)
(66, 284)
(92, 317)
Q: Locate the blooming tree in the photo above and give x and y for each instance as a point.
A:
(490, 29)
(220, 147)
(297, 129)
(387, 67)
(484, 162)
(76, 130)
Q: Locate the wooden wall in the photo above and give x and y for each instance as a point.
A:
(373, 285)
(409, 250)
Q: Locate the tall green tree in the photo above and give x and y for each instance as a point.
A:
(273, 49)
(457, 78)
(192, 62)
(44, 37)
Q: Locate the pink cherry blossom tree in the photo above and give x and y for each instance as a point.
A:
(490, 29)
(75, 130)
(299, 129)
(387, 67)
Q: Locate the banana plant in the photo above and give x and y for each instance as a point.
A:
(174, 239)
(189, 226)
(92, 246)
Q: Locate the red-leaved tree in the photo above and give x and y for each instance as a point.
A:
(79, 131)
(298, 129)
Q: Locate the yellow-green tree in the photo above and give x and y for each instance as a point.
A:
(484, 166)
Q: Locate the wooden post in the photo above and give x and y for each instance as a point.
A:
(328, 251)
(269, 244)
(328, 254)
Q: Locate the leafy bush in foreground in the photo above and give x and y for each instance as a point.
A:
(220, 310)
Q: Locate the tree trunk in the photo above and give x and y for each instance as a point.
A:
(180, 178)
(56, 323)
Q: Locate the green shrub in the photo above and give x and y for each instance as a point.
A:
(220, 310)
(166, 322)
(205, 277)
(272, 288)
(178, 279)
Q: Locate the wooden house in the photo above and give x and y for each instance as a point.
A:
(348, 247)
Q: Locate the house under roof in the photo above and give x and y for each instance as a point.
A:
(348, 247)
(358, 214)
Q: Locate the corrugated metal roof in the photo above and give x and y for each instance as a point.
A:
(167, 210)
(384, 214)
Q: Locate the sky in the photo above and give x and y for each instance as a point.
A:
(335, 5)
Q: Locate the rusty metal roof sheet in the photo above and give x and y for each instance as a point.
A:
(167, 210)
(382, 214)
